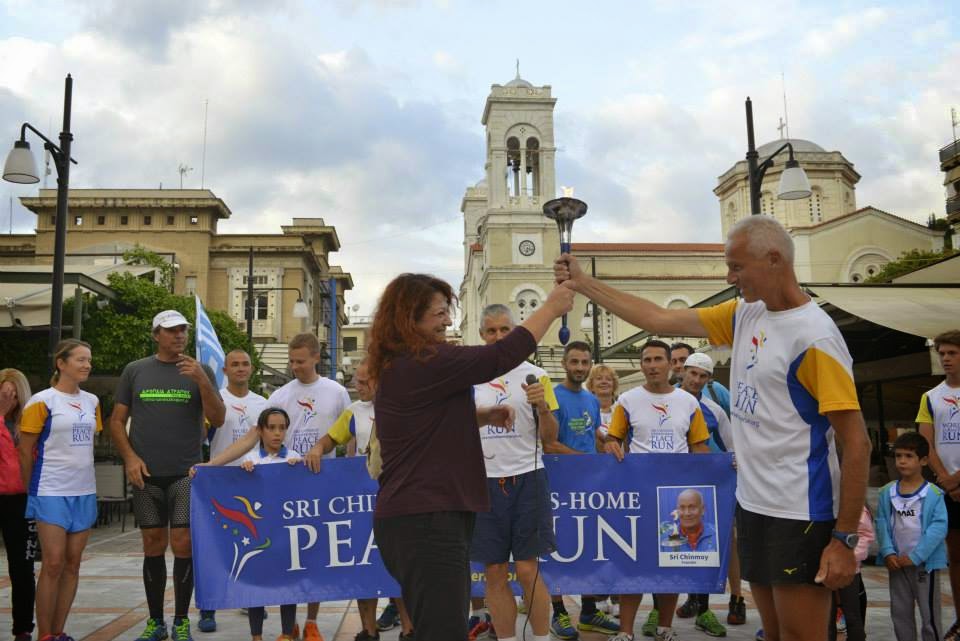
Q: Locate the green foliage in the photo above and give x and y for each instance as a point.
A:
(908, 262)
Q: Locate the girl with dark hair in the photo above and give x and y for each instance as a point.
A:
(17, 535)
(433, 480)
(56, 460)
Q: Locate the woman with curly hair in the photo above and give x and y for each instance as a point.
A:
(433, 480)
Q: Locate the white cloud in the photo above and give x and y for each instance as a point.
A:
(842, 31)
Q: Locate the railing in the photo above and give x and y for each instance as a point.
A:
(953, 206)
(950, 151)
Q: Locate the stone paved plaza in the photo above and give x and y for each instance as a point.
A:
(111, 604)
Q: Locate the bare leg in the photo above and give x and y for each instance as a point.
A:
(666, 605)
(763, 597)
(802, 610)
(69, 578)
(406, 623)
(629, 604)
(953, 552)
(368, 615)
(53, 542)
(539, 609)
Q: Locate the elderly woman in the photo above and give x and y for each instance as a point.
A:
(14, 395)
(433, 480)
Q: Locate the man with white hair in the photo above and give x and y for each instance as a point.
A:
(793, 392)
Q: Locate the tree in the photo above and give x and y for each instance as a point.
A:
(908, 262)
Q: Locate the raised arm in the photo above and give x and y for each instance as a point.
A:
(237, 449)
(633, 309)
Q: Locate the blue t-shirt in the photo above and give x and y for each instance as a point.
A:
(717, 393)
(578, 418)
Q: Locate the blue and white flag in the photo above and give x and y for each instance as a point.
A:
(209, 351)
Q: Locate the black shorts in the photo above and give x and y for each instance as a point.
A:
(520, 521)
(953, 512)
(780, 551)
(164, 500)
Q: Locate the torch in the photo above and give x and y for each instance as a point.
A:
(564, 211)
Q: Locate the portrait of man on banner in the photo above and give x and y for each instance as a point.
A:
(688, 533)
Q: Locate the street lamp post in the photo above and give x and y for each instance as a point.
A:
(793, 180)
(300, 309)
(21, 168)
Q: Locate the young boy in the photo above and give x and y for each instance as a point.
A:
(911, 527)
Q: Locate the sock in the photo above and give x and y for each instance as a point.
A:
(507, 638)
(255, 617)
(588, 606)
(155, 584)
(545, 637)
(182, 585)
(313, 621)
(662, 630)
(559, 608)
(703, 603)
(479, 612)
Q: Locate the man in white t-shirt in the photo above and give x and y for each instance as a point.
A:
(519, 525)
(313, 404)
(656, 418)
(243, 407)
(939, 420)
(793, 394)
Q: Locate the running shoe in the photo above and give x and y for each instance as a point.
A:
(649, 628)
(759, 635)
(156, 630)
(598, 622)
(181, 630)
(207, 622)
(738, 611)
(707, 622)
(366, 636)
(623, 636)
(23, 636)
(311, 632)
(389, 618)
(666, 634)
(63, 636)
(405, 637)
(478, 627)
(561, 627)
(689, 608)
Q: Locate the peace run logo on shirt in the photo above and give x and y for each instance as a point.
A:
(953, 403)
(242, 421)
(82, 431)
(756, 344)
(661, 439)
(950, 428)
(663, 412)
(165, 395)
(306, 403)
(502, 393)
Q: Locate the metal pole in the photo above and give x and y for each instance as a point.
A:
(77, 313)
(249, 304)
(334, 321)
(60, 235)
(752, 161)
(596, 316)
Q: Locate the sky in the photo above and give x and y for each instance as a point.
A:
(367, 112)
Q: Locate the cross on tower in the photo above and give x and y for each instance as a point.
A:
(781, 127)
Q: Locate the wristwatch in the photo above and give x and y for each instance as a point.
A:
(850, 539)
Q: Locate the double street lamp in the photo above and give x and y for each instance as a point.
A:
(793, 180)
(21, 168)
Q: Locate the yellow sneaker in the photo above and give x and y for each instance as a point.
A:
(311, 632)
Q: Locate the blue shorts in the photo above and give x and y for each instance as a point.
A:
(72, 513)
(519, 523)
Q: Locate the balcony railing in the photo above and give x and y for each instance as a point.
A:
(953, 207)
(950, 151)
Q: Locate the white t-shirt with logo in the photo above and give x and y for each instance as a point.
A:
(313, 409)
(241, 417)
(906, 514)
(512, 452)
(658, 423)
(788, 369)
(941, 408)
(66, 424)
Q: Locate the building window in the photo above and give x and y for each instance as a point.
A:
(260, 307)
(814, 203)
(53, 220)
(124, 220)
(257, 280)
(349, 343)
(101, 220)
(169, 220)
(78, 220)
(190, 285)
(147, 220)
(194, 220)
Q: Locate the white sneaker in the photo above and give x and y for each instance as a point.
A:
(665, 634)
(623, 636)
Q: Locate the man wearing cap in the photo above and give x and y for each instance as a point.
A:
(166, 396)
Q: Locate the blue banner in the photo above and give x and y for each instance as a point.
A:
(280, 534)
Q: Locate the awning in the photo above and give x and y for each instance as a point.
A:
(25, 289)
(921, 310)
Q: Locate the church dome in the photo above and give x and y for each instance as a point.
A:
(799, 145)
(519, 82)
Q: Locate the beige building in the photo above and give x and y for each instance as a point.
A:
(509, 245)
(181, 226)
